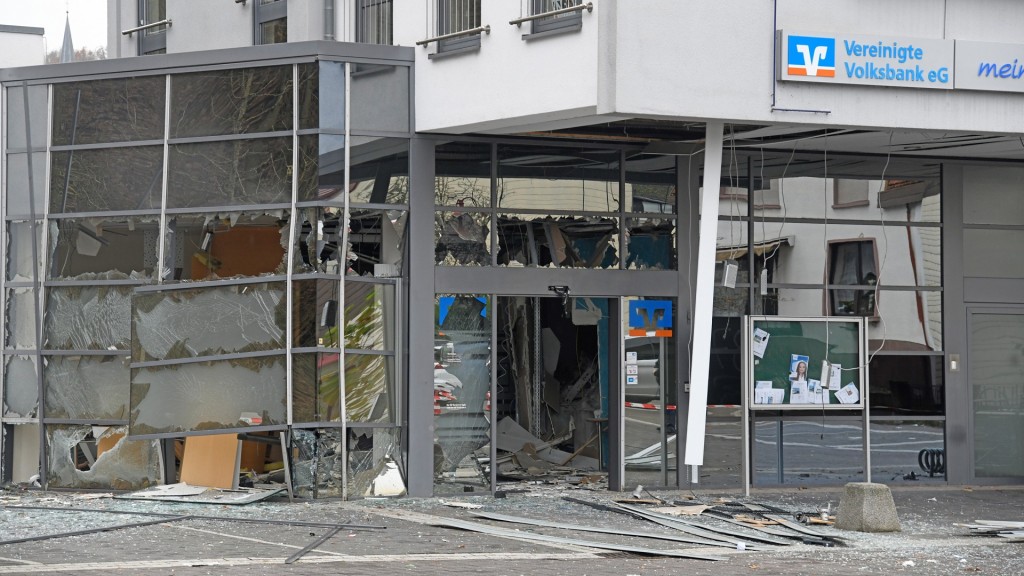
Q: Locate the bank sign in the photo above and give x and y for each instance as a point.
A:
(989, 66)
(866, 60)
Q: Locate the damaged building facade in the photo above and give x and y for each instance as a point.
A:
(429, 246)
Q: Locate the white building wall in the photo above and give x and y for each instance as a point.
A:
(196, 25)
(21, 48)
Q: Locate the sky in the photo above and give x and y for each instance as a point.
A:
(88, 20)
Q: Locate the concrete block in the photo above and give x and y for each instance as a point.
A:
(867, 507)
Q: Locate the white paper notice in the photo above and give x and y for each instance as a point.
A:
(760, 342)
(768, 396)
(798, 393)
(848, 394)
(815, 393)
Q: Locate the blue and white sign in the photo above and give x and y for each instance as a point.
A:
(865, 60)
(989, 66)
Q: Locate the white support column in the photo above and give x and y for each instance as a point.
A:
(698, 409)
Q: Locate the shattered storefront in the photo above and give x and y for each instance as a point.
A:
(198, 245)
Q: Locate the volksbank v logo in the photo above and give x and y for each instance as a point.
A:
(811, 56)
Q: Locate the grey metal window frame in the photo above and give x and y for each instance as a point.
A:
(151, 41)
(384, 31)
(562, 23)
(263, 13)
(464, 43)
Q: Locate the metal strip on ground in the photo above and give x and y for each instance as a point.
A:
(312, 545)
(93, 530)
(712, 532)
(799, 528)
(533, 522)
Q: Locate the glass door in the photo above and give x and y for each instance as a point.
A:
(996, 355)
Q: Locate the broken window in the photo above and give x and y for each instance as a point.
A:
(462, 239)
(375, 466)
(99, 457)
(88, 317)
(318, 466)
(193, 323)
(230, 173)
(116, 110)
(20, 332)
(87, 387)
(238, 101)
(462, 384)
(21, 387)
(651, 244)
(315, 313)
(369, 386)
(369, 316)
(226, 245)
(212, 395)
(20, 255)
(317, 235)
(106, 179)
(573, 242)
(83, 245)
(375, 242)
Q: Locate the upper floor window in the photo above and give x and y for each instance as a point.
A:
(152, 40)
(853, 263)
(568, 20)
(271, 21)
(849, 193)
(458, 16)
(374, 21)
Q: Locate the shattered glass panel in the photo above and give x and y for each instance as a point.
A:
(380, 98)
(376, 237)
(317, 469)
(380, 171)
(375, 466)
(230, 173)
(21, 388)
(83, 245)
(463, 174)
(315, 313)
(369, 387)
(106, 179)
(19, 250)
(226, 245)
(209, 396)
(317, 235)
(462, 384)
(563, 242)
(87, 387)
(558, 179)
(237, 101)
(100, 457)
(369, 316)
(18, 190)
(462, 239)
(321, 167)
(119, 110)
(208, 321)
(88, 318)
(19, 329)
(651, 244)
(315, 388)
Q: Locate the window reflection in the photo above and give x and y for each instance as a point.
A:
(239, 101)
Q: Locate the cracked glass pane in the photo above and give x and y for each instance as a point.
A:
(208, 321)
(375, 237)
(462, 384)
(317, 467)
(226, 245)
(19, 329)
(106, 179)
(315, 313)
(317, 235)
(369, 386)
(462, 239)
(100, 457)
(380, 171)
(237, 101)
(123, 244)
(19, 251)
(369, 316)
(21, 387)
(120, 110)
(87, 387)
(209, 396)
(651, 244)
(230, 173)
(375, 463)
(315, 388)
(88, 317)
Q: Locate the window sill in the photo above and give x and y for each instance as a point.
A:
(556, 32)
(453, 52)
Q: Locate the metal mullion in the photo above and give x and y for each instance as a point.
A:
(162, 231)
(208, 358)
(85, 422)
(623, 248)
(315, 276)
(343, 269)
(289, 252)
(316, 350)
(105, 214)
(178, 434)
(233, 137)
(371, 352)
(106, 145)
(492, 217)
(58, 283)
(318, 425)
(86, 353)
(198, 210)
(211, 283)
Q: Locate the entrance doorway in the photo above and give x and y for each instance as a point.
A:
(996, 352)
